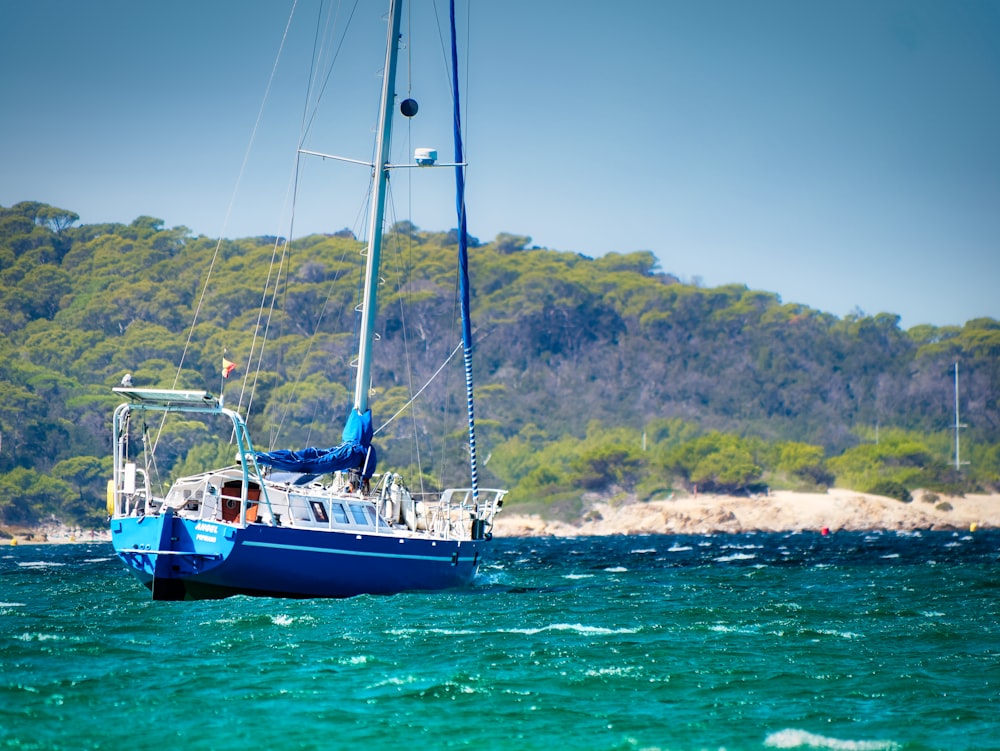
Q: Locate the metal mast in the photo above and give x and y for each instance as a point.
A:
(369, 302)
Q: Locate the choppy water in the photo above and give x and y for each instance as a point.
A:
(764, 641)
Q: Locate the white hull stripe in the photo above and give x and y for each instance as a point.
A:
(307, 549)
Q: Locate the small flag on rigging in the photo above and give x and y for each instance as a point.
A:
(227, 367)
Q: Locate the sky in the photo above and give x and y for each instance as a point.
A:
(843, 154)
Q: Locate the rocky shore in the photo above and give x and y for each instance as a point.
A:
(779, 511)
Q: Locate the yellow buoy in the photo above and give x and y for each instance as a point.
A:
(13, 541)
(973, 526)
(111, 498)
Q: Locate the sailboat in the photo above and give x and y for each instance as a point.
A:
(314, 522)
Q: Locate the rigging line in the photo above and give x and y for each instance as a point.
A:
(229, 211)
(293, 189)
(274, 271)
(430, 380)
(266, 320)
(409, 49)
(406, 340)
(333, 61)
(407, 264)
(293, 192)
(285, 247)
(283, 244)
(331, 288)
(468, 74)
(402, 270)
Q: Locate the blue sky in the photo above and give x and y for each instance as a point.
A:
(841, 154)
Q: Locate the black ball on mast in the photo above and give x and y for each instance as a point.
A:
(408, 107)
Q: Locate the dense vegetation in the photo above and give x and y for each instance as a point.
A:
(603, 375)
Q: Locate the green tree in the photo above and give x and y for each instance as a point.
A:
(716, 462)
(26, 496)
(87, 475)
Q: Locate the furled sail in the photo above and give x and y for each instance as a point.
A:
(354, 452)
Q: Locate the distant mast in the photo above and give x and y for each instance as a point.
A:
(958, 427)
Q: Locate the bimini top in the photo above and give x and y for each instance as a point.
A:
(168, 397)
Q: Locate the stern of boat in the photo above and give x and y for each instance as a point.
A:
(165, 551)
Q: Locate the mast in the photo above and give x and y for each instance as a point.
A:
(958, 427)
(369, 302)
(463, 262)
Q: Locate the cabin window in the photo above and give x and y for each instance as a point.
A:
(361, 515)
(339, 514)
(319, 511)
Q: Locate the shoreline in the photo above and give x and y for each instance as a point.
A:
(779, 511)
(51, 534)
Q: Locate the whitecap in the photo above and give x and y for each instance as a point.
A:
(841, 634)
(724, 629)
(440, 631)
(578, 576)
(394, 680)
(11, 604)
(40, 637)
(792, 738)
(616, 570)
(736, 557)
(643, 551)
(890, 555)
(616, 671)
(39, 564)
(578, 627)
(678, 548)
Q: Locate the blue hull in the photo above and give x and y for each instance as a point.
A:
(189, 559)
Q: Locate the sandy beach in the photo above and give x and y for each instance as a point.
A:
(780, 511)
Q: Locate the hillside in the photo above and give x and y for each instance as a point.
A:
(599, 374)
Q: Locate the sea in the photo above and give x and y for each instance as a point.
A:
(855, 641)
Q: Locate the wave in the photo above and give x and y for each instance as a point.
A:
(26, 636)
(578, 627)
(792, 738)
(735, 557)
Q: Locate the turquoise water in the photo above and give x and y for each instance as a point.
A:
(850, 641)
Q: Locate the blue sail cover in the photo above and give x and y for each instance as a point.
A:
(350, 454)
